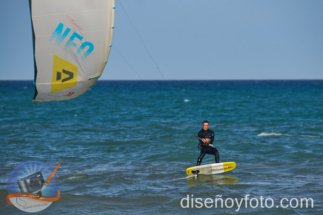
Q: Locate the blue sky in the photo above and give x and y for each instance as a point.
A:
(191, 39)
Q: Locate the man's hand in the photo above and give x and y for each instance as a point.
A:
(206, 140)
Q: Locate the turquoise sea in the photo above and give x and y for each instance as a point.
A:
(125, 144)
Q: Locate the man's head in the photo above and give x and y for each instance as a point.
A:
(205, 125)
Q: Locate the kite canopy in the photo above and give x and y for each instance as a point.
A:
(72, 40)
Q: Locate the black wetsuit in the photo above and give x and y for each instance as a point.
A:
(205, 147)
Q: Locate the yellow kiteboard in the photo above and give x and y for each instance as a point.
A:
(211, 169)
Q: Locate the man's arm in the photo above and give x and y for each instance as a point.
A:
(201, 137)
(200, 134)
(212, 137)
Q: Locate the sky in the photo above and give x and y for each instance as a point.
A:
(190, 39)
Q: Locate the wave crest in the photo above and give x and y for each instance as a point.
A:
(269, 134)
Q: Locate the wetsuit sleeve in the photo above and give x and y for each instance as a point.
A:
(212, 136)
(200, 135)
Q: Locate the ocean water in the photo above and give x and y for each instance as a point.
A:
(125, 145)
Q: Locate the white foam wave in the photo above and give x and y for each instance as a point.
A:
(277, 134)
(269, 134)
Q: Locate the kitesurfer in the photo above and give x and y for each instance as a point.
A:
(206, 138)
